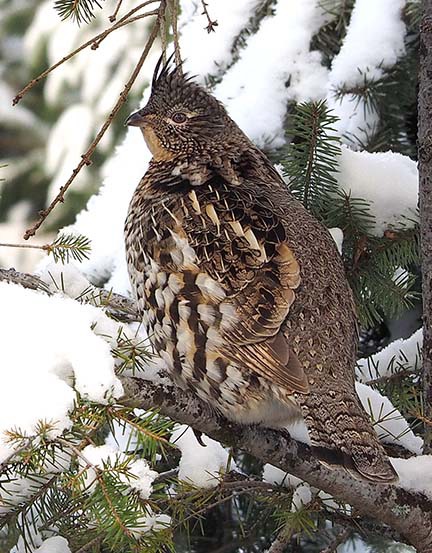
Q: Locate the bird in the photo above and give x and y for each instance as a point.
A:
(241, 290)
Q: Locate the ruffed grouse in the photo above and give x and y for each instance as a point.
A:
(242, 291)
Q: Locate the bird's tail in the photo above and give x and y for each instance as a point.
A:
(341, 434)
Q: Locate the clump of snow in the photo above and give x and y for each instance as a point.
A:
(66, 278)
(302, 495)
(337, 235)
(200, 465)
(56, 544)
(51, 347)
(257, 88)
(415, 473)
(140, 477)
(104, 455)
(387, 421)
(42, 541)
(274, 475)
(150, 522)
(373, 43)
(388, 180)
(121, 437)
(215, 50)
(399, 355)
(103, 219)
(298, 431)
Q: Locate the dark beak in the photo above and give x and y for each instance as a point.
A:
(137, 119)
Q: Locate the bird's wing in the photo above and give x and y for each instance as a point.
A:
(241, 243)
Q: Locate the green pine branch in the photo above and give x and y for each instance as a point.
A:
(393, 98)
(132, 354)
(79, 10)
(68, 246)
(372, 264)
(310, 161)
(310, 164)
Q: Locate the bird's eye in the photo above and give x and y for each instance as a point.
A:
(179, 117)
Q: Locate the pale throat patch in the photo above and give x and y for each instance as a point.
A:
(154, 145)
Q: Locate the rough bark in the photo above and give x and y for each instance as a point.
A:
(425, 173)
(410, 514)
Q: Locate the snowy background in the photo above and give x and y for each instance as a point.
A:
(256, 79)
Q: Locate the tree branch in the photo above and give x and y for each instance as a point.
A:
(409, 513)
(280, 543)
(116, 305)
(86, 157)
(425, 193)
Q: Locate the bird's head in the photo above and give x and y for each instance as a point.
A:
(181, 117)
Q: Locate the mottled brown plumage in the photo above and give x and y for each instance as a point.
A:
(242, 291)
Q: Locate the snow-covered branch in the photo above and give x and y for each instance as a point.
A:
(116, 305)
(404, 507)
(410, 513)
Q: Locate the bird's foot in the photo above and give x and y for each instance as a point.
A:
(198, 435)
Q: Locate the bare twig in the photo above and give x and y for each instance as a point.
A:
(113, 17)
(30, 246)
(163, 29)
(96, 42)
(338, 540)
(85, 158)
(173, 8)
(211, 23)
(93, 42)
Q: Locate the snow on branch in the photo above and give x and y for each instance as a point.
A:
(387, 180)
(406, 507)
(410, 513)
(399, 356)
(373, 44)
(121, 308)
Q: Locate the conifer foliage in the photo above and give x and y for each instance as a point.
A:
(378, 268)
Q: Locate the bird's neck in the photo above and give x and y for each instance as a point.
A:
(241, 164)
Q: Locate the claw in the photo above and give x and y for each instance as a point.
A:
(198, 435)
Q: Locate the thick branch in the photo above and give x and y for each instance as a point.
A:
(425, 173)
(408, 513)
